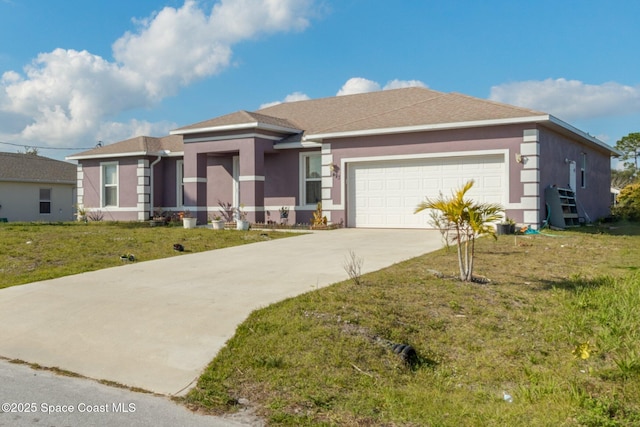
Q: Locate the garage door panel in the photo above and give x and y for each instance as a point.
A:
(394, 184)
(387, 193)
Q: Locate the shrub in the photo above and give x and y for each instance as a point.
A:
(628, 206)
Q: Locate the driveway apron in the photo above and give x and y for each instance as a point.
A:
(157, 324)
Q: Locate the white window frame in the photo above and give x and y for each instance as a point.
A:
(180, 183)
(104, 185)
(45, 200)
(583, 170)
(304, 179)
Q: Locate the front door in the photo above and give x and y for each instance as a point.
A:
(572, 175)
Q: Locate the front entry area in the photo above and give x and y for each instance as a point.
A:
(384, 194)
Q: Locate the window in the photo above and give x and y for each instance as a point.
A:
(180, 183)
(109, 184)
(583, 169)
(312, 179)
(45, 200)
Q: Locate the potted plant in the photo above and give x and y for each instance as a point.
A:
(507, 226)
(188, 221)
(284, 215)
(241, 219)
(217, 223)
(81, 214)
(158, 219)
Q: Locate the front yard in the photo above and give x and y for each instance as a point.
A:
(38, 251)
(553, 340)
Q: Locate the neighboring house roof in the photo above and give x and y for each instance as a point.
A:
(138, 146)
(18, 167)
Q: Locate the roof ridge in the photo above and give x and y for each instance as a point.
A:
(502, 104)
(437, 94)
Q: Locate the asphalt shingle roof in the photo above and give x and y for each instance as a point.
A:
(17, 167)
(140, 144)
(372, 111)
(406, 107)
(240, 118)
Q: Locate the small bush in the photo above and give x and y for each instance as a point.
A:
(629, 203)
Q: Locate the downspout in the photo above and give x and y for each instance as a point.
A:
(151, 189)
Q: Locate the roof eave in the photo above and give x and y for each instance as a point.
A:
(427, 127)
(240, 126)
(545, 118)
(556, 121)
(39, 181)
(163, 153)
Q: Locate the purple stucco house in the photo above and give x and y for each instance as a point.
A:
(369, 158)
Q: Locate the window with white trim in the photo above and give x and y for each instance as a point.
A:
(109, 184)
(583, 171)
(45, 200)
(311, 178)
(180, 183)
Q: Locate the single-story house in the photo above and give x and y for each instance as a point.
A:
(36, 188)
(369, 158)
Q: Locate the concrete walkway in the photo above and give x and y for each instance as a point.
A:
(157, 324)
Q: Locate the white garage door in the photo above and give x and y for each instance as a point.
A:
(385, 194)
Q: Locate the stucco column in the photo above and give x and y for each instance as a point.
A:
(79, 187)
(195, 184)
(530, 178)
(328, 172)
(143, 189)
(251, 177)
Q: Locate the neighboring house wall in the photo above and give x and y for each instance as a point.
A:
(22, 201)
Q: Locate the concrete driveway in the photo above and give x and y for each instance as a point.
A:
(157, 324)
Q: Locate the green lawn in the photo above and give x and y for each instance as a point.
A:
(558, 329)
(37, 251)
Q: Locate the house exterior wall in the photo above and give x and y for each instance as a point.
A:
(282, 186)
(339, 154)
(20, 201)
(202, 197)
(594, 198)
(220, 182)
(165, 184)
(130, 207)
(268, 178)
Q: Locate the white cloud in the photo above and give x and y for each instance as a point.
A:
(352, 86)
(361, 85)
(399, 84)
(67, 97)
(358, 85)
(236, 20)
(292, 97)
(118, 131)
(570, 99)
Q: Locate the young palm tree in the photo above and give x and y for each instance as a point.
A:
(467, 220)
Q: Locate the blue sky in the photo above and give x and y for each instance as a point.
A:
(73, 72)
